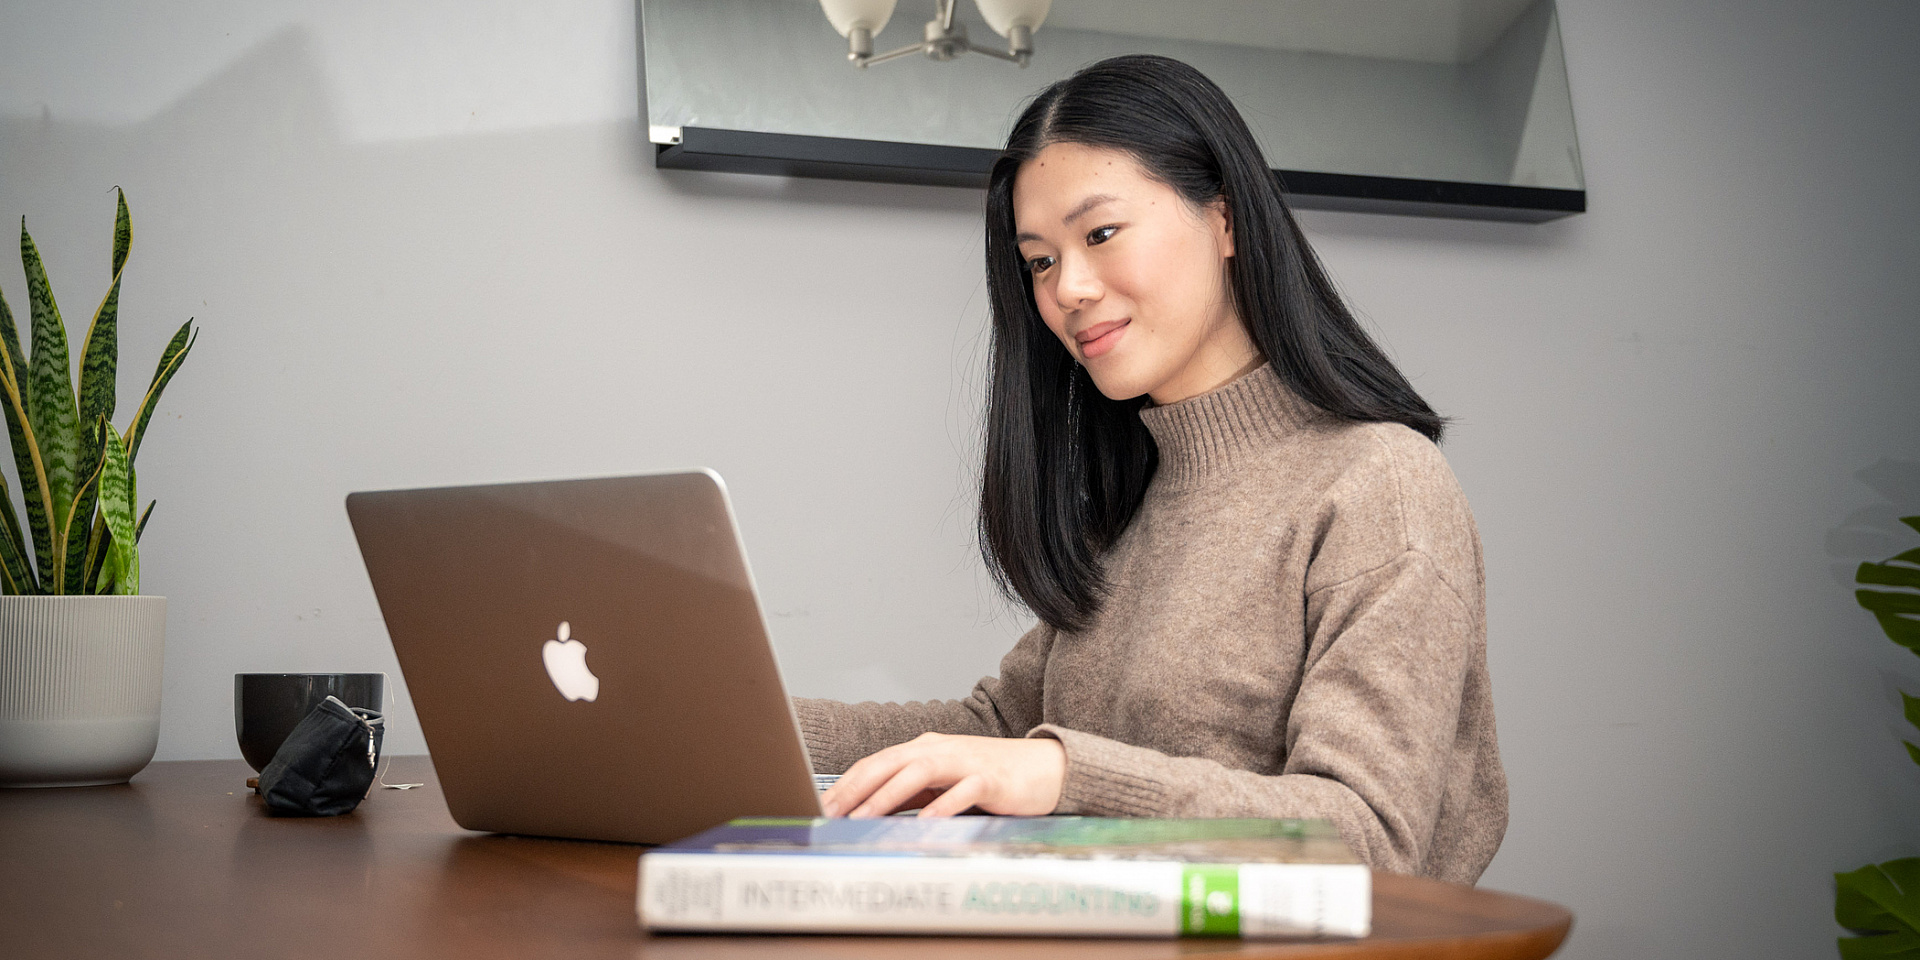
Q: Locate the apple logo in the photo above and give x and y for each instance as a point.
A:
(566, 660)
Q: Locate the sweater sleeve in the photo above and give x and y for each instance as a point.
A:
(1367, 739)
(838, 734)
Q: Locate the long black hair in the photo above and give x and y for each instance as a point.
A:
(1066, 467)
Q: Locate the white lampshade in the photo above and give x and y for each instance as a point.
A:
(1004, 15)
(848, 15)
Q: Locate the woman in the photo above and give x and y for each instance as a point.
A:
(1259, 586)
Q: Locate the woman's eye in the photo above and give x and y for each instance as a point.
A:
(1039, 264)
(1100, 235)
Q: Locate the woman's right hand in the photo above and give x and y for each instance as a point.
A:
(946, 775)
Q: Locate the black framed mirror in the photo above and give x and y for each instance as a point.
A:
(1455, 108)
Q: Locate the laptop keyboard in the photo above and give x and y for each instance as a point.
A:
(822, 781)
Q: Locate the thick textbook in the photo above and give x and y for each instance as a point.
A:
(1085, 876)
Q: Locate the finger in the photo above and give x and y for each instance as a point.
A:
(918, 800)
(957, 799)
(836, 799)
(910, 779)
(860, 780)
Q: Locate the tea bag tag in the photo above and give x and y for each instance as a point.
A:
(377, 775)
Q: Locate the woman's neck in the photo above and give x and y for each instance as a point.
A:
(1226, 355)
(1213, 373)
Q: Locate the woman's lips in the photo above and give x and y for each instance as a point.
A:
(1101, 337)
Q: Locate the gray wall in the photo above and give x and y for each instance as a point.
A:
(427, 246)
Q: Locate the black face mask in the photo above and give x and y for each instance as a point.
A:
(325, 767)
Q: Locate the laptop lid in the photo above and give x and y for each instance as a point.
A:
(587, 658)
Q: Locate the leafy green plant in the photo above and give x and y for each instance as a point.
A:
(75, 470)
(1881, 902)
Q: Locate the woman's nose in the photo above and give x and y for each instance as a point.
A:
(1077, 284)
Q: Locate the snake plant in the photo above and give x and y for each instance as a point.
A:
(75, 470)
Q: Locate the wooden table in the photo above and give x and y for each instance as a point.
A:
(184, 862)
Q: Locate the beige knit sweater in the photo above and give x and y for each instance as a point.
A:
(1296, 629)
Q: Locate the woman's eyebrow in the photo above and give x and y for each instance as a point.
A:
(1081, 210)
(1087, 205)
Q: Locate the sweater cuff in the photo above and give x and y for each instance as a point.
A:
(820, 731)
(1105, 778)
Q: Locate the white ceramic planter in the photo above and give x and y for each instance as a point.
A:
(79, 688)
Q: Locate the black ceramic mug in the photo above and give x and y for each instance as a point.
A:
(267, 706)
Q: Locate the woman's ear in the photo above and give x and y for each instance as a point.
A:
(1220, 217)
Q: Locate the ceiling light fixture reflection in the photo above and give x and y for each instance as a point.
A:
(860, 20)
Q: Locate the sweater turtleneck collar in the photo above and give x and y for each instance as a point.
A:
(1203, 435)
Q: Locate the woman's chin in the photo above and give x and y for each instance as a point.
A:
(1116, 384)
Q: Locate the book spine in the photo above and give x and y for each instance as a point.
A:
(809, 893)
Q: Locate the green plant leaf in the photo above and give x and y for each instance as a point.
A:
(18, 404)
(1891, 946)
(1913, 522)
(1881, 901)
(1911, 706)
(99, 388)
(1891, 573)
(33, 479)
(132, 564)
(80, 519)
(9, 584)
(100, 352)
(1896, 613)
(170, 360)
(15, 364)
(73, 568)
(98, 575)
(99, 540)
(9, 521)
(99, 391)
(103, 574)
(91, 570)
(122, 232)
(33, 475)
(16, 577)
(55, 415)
(116, 511)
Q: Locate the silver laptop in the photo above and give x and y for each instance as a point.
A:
(587, 658)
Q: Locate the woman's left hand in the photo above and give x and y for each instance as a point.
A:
(1018, 777)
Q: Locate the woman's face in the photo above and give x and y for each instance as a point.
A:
(1130, 276)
